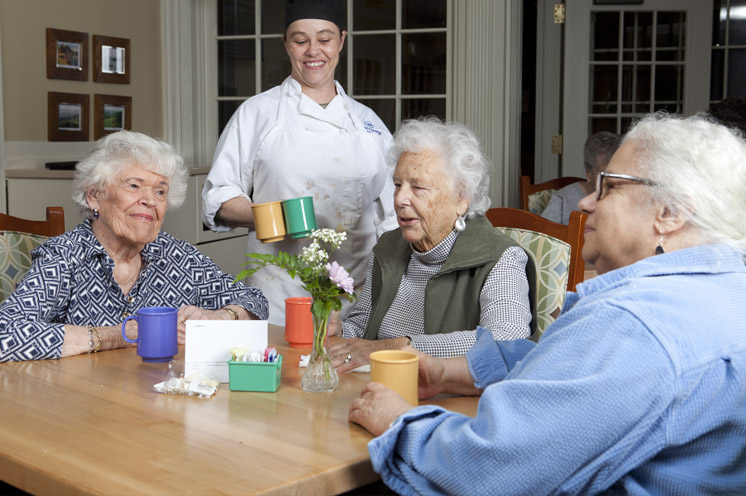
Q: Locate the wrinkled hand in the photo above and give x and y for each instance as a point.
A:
(359, 350)
(377, 407)
(190, 312)
(431, 374)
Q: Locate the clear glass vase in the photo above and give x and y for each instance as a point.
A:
(320, 375)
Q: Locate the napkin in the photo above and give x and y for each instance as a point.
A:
(305, 358)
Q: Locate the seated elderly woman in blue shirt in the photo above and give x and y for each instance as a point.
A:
(84, 283)
(446, 269)
(639, 387)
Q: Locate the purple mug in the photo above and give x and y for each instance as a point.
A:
(157, 339)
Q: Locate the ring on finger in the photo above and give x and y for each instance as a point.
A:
(348, 358)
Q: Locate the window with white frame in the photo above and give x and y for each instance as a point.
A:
(394, 60)
(728, 67)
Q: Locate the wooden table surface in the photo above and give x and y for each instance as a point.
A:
(93, 424)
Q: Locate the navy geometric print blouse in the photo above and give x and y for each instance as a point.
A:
(71, 281)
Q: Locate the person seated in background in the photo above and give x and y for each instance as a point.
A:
(597, 153)
(85, 282)
(446, 269)
(730, 112)
(639, 387)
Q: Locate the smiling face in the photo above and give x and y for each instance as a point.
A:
(425, 201)
(131, 209)
(620, 229)
(313, 46)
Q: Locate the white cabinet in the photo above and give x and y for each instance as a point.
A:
(31, 191)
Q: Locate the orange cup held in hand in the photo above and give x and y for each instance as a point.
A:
(396, 370)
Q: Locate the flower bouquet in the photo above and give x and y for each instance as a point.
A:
(327, 283)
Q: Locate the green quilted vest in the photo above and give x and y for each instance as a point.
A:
(452, 295)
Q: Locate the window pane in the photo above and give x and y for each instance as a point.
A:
(417, 107)
(638, 35)
(373, 14)
(669, 81)
(385, 109)
(604, 87)
(423, 13)
(225, 111)
(603, 124)
(236, 68)
(375, 69)
(737, 35)
(605, 36)
(273, 17)
(737, 72)
(717, 74)
(275, 63)
(424, 63)
(670, 36)
(235, 17)
(719, 16)
(635, 88)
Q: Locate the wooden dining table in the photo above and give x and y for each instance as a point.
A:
(94, 424)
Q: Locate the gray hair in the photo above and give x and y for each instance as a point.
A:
(115, 151)
(460, 151)
(699, 168)
(598, 150)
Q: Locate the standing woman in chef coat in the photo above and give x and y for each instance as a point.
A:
(305, 137)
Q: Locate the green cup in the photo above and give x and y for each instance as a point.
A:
(300, 218)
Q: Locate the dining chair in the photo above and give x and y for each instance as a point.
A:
(556, 250)
(534, 197)
(17, 238)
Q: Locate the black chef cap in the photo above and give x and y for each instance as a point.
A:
(328, 10)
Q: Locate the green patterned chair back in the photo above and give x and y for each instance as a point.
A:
(552, 259)
(15, 258)
(538, 201)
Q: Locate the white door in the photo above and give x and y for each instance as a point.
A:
(623, 61)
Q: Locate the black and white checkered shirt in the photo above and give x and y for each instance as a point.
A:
(504, 303)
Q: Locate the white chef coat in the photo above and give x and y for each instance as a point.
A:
(281, 144)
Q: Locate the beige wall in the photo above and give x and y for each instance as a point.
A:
(25, 85)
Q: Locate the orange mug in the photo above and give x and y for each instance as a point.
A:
(397, 370)
(298, 322)
(268, 222)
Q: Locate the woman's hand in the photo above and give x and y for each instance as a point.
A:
(377, 407)
(190, 312)
(359, 350)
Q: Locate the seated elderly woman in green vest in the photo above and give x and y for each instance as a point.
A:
(445, 270)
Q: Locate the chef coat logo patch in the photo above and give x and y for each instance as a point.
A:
(370, 128)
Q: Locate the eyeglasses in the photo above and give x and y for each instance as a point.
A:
(600, 181)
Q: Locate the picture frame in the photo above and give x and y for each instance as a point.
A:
(111, 113)
(112, 59)
(67, 55)
(67, 116)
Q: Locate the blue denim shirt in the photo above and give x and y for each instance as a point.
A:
(71, 281)
(639, 387)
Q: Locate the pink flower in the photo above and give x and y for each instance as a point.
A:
(339, 276)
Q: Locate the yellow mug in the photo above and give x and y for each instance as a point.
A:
(397, 370)
(268, 222)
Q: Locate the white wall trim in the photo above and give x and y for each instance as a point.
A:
(3, 164)
(486, 85)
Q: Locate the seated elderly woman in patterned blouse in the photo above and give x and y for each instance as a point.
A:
(446, 269)
(83, 284)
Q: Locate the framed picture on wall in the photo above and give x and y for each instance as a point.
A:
(111, 59)
(67, 116)
(67, 55)
(111, 114)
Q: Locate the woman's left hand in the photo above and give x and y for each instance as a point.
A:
(359, 350)
(190, 312)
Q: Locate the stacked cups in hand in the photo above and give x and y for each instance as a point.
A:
(295, 217)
